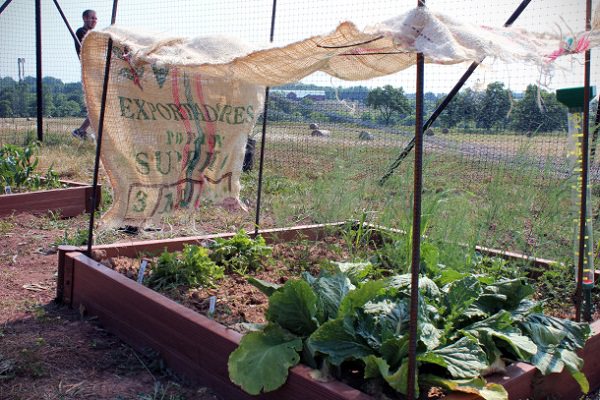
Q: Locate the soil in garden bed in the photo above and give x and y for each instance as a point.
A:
(238, 302)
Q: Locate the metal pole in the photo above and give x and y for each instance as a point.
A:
(416, 227)
(66, 22)
(595, 134)
(100, 130)
(583, 217)
(264, 133)
(440, 108)
(38, 70)
(6, 3)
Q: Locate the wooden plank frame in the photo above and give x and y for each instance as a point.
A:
(198, 347)
(70, 201)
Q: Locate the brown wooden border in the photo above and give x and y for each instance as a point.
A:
(71, 201)
(198, 347)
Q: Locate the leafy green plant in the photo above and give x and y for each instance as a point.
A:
(466, 324)
(358, 235)
(17, 168)
(190, 267)
(241, 253)
(78, 238)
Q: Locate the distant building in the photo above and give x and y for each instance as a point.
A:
(301, 94)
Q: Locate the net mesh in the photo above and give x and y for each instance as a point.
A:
(495, 161)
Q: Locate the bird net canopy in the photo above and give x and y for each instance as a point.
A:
(179, 110)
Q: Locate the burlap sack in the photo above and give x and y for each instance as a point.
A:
(173, 137)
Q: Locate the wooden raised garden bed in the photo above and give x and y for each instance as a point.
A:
(73, 200)
(198, 347)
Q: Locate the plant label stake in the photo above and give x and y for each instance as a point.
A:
(212, 302)
(573, 98)
(143, 265)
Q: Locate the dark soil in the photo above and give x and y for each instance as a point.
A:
(239, 302)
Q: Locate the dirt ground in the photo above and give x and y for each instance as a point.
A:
(48, 351)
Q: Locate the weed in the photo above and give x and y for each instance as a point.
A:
(30, 364)
(18, 165)
(7, 368)
(190, 267)
(162, 392)
(78, 238)
(5, 226)
(241, 253)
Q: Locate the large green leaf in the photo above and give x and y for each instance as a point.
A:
(398, 380)
(266, 287)
(338, 341)
(463, 359)
(449, 275)
(505, 294)
(574, 365)
(294, 308)
(478, 386)
(262, 360)
(427, 287)
(394, 350)
(330, 290)
(576, 333)
(500, 327)
(547, 339)
(357, 272)
(357, 298)
(380, 320)
(461, 294)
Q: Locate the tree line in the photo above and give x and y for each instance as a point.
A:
(493, 110)
(18, 99)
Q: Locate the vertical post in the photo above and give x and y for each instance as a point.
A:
(38, 70)
(416, 227)
(100, 130)
(264, 133)
(583, 217)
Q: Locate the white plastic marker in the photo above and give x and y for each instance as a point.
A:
(143, 265)
(7, 190)
(211, 305)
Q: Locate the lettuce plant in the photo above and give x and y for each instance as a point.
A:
(190, 267)
(241, 253)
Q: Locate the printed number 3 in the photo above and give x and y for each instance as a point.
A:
(140, 198)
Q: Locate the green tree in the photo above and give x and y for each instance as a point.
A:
(5, 109)
(538, 114)
(388, 101)
(494, 108)
(463, 108)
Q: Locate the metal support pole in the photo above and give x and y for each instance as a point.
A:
(6, 3)
(415, 268)
(440, 108)
(38, 70)
(583, 217)
(66, 22)
(595, 134)
(264, 133)
(99, 136)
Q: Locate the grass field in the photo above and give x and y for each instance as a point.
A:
(468, 197)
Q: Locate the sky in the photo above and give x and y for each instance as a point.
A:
(251, 20)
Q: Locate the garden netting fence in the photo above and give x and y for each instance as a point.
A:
(496, 170)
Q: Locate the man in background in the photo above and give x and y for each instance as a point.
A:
(89, 23)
